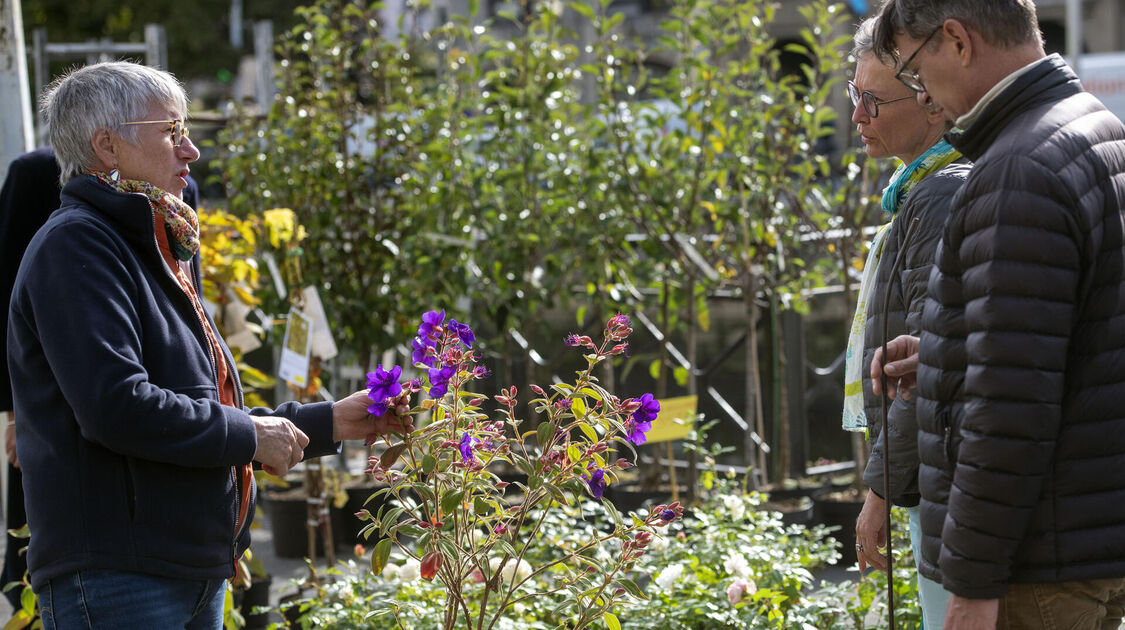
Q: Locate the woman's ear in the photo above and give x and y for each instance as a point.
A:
(934, 112)
(104, 149)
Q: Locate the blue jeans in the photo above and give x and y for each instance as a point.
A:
(933, 597)
(119, 599)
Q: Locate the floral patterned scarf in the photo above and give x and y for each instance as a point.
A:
(180, 220)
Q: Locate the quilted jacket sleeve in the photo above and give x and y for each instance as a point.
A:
(1021, 252)
(926, 208)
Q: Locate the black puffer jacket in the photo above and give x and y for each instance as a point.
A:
(1022, 363)
(929, 203)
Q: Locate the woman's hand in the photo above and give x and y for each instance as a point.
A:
(280, 444)
(871, 533)
(350, 420)
(901, 369)
(10, 440)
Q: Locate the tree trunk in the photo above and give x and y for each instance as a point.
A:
(753, 402)
(692, 384)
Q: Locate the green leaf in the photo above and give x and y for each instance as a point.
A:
(380, 555)
(632, 588)
(391, 455)
(573, 453)
(588, 431)
(681, 376)
(451, 500)
(654, 369)
(611, 621)
(27, 600)
(480, 506)
(544, 433)
(428, 463)
(474, 7)
(580, 6)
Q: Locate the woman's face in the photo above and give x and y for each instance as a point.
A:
(154, 159)
(903, 129)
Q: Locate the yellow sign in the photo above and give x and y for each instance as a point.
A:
(675, 420)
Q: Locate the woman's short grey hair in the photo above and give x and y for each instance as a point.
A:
(864, 41)
(103, 96)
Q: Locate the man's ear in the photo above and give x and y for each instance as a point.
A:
(104, 148)
(955, 31)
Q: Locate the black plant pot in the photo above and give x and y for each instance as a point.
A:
(257, 595)
(840, 510)
(794, 511)
(288, 515)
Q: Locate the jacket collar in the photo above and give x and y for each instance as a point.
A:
(1049, 80)
(130, 214)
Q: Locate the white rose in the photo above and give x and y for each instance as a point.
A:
(735, 505)
(390, 572)
(520, 569)
(669, 576)
(410, 571)
(737, 565)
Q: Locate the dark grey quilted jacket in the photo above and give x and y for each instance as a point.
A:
(1022, 363)
(929, 203)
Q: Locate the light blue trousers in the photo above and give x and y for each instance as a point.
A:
(933, 597)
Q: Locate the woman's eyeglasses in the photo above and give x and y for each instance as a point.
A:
(176, 127)
(870, 102)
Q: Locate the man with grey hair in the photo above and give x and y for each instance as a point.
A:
(1021, 362)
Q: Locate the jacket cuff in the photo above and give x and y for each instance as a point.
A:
(315, 419)
(242, 437)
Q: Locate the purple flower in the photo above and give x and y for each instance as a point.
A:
(636, 431)
(439, 380)
(466, 447)
(463, 332)
(648, 409)
(668, 515)
(431, 322)
(571, 340)
(597, 483)
(383, 385)
(420, 353)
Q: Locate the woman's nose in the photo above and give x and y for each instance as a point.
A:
(187, 150)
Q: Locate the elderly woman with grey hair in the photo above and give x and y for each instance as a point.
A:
(892, 123)
(134, 441)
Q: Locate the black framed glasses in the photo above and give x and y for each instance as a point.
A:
(910, 78)
(870, 102)
(176, 127)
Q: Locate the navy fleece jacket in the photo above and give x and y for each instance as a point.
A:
(126, 450)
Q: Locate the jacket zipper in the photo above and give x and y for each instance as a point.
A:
(202, 337)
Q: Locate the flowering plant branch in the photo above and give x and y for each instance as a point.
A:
(471, 530)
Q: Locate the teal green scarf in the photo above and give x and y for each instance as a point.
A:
(907, 176)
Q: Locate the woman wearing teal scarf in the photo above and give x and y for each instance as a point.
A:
(892, 123)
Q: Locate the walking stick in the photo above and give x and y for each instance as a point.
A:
(896, 269)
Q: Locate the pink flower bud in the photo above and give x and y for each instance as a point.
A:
(538, 390)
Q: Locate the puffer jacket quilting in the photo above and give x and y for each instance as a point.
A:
(1022, 363)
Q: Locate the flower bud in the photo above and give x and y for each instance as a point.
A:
(538, 390)
(431, 564)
